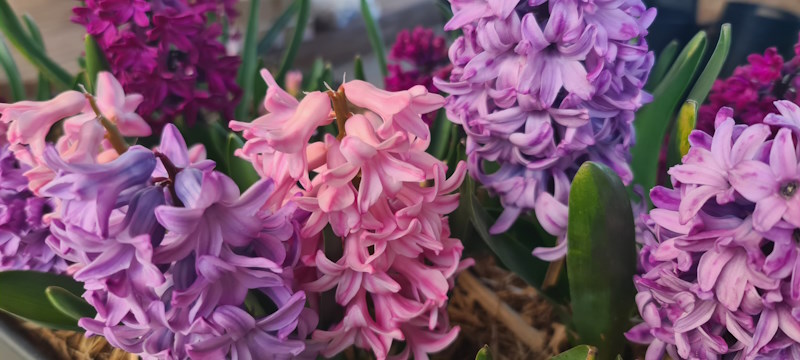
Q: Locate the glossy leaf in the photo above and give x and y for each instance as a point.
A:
(247, 70)
(12, 72)
(706, 80)
(653, 120)
(359, 69)
(95, 62)
(440, 135)
(69, 304)
(601, 258)
(375, 37)
(580, 352)
(484, 353)
(43, 87)
(662, 65)
(277, 28)
(23, 294)
(13, 31)
(679, 140)
(241, 171)
(303, 13)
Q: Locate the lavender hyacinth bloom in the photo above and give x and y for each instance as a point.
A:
(540, 87)
(721, 266)
(168, 251)
(22, 231)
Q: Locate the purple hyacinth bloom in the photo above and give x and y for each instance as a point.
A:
(169, 51)
(22, 229)
(540, 87)
(168, 250)
(720, 276)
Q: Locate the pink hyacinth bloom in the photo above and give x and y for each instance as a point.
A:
(386, 200)
(120, 108)
(399, 110)
(282, 134)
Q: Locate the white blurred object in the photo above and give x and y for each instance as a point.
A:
(339, 13)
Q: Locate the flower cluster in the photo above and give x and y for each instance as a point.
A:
(168, 50)
(387, 251)
(753, 88)
(176, 262)
(720, 262)
(540, 87)
(418, 56)
(22, 229)
(424, 55)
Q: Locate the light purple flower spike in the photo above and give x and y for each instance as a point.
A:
(721, 265)
(540, 87)
(168, 250)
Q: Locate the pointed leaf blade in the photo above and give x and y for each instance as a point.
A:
(12, 29)
(95, 62)
(654, 119)
(601, 258)
(23, 294)
(12, 72)
(68, 303)
(484, 353)
(663, 63)
(580, 352)
(375, 37)
(303, 14)
(247, 70)
(706, 80)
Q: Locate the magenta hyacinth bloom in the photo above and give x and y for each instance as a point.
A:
(416, 57)
(540, 87)
(168, 51)
(753, 89)
(397, 261)
(720, 258)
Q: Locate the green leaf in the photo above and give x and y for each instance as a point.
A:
(12, 73)
(95, 62)
(664, 62)
(515, 255)
(375, 37)
(241, 171)
(653, 120)
(313, 81)
(247, 70)
(440, 136)
(484, 353)
(580, 352)
(703, 85)
(601, 258)
(23, 294)
(359, 69)
(68, 303)
(303, 14)
(43, 87)
(679, 141)
(12, 29)
(277, 27)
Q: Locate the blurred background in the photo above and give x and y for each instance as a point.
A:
(337, 31)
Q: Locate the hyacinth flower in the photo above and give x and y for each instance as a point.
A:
(719, 269)
(540, 87)
(169, 51)
(385, 200)
(417, 56)
(22, 228)
(753, 89)
(167, 248)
